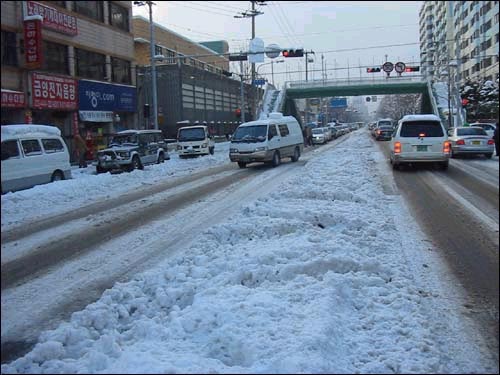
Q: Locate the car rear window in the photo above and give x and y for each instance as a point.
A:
(416, 128)
(382, 123)
(471, 131)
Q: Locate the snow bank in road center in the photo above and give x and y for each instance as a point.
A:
(314, 278)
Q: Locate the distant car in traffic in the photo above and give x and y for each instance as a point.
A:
(383, 132)
(319, 136)
(488, 127)
(470, 140)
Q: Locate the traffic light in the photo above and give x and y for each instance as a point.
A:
(372, 70)
(237, 112)
(412, 69)
(293, 53)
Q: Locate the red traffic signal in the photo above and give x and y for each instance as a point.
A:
(412, 69)
(372, 70)
(237, 112)
(293, 53)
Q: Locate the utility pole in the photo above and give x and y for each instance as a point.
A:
(253, 13)
(152, 55)
(242, 94)
(307, 99)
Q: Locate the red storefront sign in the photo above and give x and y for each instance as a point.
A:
(13, 99)
(33, 43)
(53, 19)
(54, 92)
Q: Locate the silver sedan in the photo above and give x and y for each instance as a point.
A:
(470, 140)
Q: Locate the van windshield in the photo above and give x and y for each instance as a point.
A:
(256, 133)
(416, 128)
(123, 140)
(195, 134)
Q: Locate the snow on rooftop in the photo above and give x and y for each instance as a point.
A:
(25, 129)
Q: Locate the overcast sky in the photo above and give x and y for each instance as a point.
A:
(345, 33)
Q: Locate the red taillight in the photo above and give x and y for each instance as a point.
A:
(446, 147)
(397, 147)
(491, 142)
(460, 142)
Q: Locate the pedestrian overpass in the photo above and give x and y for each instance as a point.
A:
(283, 100)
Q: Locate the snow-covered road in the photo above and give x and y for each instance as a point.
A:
(305, 272)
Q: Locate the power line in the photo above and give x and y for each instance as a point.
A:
(201, 10)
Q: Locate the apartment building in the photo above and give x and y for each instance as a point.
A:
(462, 32)
(69, 64)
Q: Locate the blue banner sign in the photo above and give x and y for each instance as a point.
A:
(259, 82)
(98, 96)
(338, 103)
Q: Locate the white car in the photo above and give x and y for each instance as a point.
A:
(319, 136)
(420, 138)
(488, 127)
(470, 140)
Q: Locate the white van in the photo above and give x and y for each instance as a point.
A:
(194, 140)
(32, 155)
(267, 140)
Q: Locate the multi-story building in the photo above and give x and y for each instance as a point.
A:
(463, 32)
(69, 64)
(193, 82)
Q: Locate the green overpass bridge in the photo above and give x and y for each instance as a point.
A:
(354, 87)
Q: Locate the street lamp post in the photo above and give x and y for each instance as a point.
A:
(272, 71)
(153, 64)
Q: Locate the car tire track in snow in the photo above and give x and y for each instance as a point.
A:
(53, 221)
(75, 244)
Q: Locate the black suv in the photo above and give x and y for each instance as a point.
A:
(132, 149)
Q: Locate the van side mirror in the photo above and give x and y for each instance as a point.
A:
(270, 136)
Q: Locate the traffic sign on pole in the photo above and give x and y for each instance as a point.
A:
(388, 67)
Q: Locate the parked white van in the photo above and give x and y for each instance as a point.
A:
(194, 140)
(268, 140)
(32, 155)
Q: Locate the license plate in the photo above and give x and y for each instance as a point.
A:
(421, 148)
(476, 142)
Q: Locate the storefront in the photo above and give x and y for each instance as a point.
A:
(53, 101)
(13, 107)
(105, 109)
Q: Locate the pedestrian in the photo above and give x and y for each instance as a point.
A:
(309, 136)
(497, 142)
(304, 135)
(81, 147)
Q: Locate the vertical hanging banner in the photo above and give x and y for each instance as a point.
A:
(33, 42)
